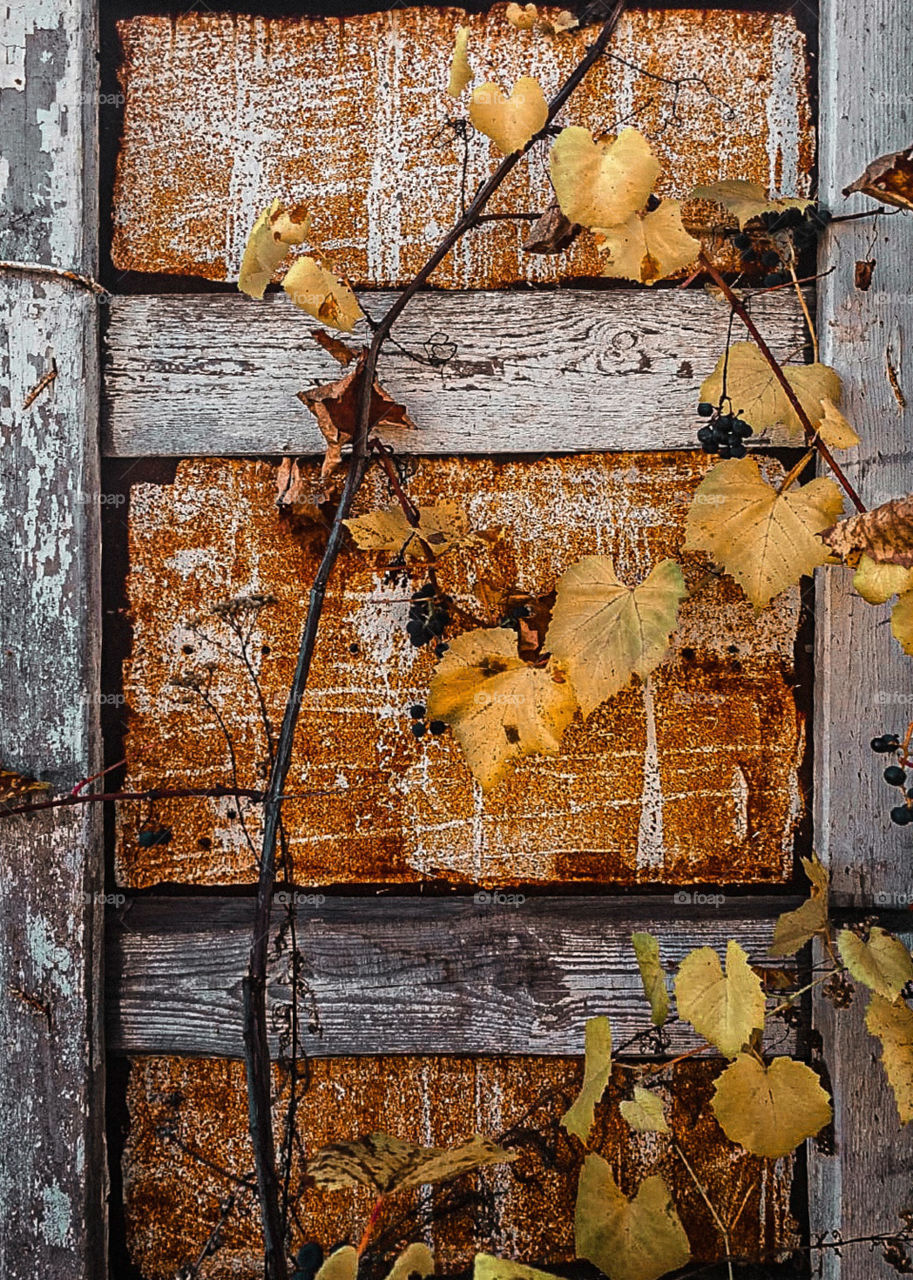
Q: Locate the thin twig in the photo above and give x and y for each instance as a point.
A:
(59, 273)
(256, 1031)
(40, 386)
(805, 311)
(810, 432)
(707, 1201)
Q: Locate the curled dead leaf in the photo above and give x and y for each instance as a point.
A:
(552, 233)
(385, 1163)
(271, 237)
(889, 178)
(885, 534)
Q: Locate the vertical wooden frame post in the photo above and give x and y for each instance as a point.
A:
(52, 1169)
(864, 684)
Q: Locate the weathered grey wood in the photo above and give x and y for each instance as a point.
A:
(52, 1170)
(411, 975)
(863, 683)
(861, 1187)
(538, 372)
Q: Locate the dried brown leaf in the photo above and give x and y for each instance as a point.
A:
(552, 233)
(889, 178)
(385, 1163)
(885, 534)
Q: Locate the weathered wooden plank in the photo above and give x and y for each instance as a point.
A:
(225, 111)
(860, 1187)
(864, 682)
(52, 1168)
(531, 373)
(498, 973)
(656, 786)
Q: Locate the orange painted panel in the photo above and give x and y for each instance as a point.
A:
(695, 779)
(224, 112)
(188, 1136)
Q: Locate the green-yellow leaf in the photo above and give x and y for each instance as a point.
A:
(769, 1110)
(487, 1267)
(746, 200)
(724, 1008)
(835, 430)
(757, 397)
(498, 706)
(317, 291)
(600, 184)
(440, 528)
(648, 247)
(893, 1025)
(652, 975)
(902, 622)
(876, 582)
(384, 1163)
(342, 1264)
(795, 928)
(578, 1119)
(604, 632)
(637, 1239)
(460, 70)
(645, 1113)
(509, 122)
(415, 1259)
(271, 237)
(765, 539)
(883, 964)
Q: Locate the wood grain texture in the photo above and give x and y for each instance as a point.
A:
(657, 786)
(224, 112)
(864, 683)
(187, 1112)
(52, 1170)
(414, 975)
(532, 373)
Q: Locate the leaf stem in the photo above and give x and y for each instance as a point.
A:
(812, 435)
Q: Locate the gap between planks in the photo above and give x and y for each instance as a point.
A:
(398, 975)
(543, 371)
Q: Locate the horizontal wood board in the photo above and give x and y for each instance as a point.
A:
(543, 372)
(223, 112)
(416, 975)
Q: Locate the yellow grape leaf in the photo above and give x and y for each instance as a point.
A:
(648, 246)
(652, 975)
(746, 200)
(415, 1259)
(439, 529)
(769, 1110)
(757, 397)
(487, 1267)
(876, 582)
(509, 122)
(645, 1113)
(271, 237)
(835, 430)
(637, 1239)
(317, 291)
(600, 184)
(902, 622)
(816, 385)
(724, 1009)
(460, 70)
(883, 964)
(523, 17)
(795, 928)
(893, 1025)
(604, 632)
(498, 706)
(384, 1163)
(578, 1119)
(341, 1264)
(764, 539)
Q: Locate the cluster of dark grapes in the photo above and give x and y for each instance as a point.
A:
(804, 228)
(428, 619)
(895, 776)
(419, 728)
(724, 433)
(308, 1261)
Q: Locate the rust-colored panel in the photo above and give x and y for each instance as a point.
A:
(184, 1109)
(350, 115)
(696, 780)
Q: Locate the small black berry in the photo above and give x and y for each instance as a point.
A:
(417, 712)
(418, 729)
(895, 775)
(437, 727)
(878, 744)
(770, 259)
(741, 241)
(441, 648)
(705, 409)
(902, 815)
(704, 434)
